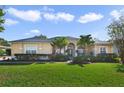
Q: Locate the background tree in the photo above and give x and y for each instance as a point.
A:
(59, 42)
(2, 52)
(85, 41)
(2, 20)
(41, 37)
(4, 42)
(116, 32)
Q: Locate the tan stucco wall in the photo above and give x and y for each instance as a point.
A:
(109, 48)
(46, 48)
(90, 49)
(42, 48)
(16, 48)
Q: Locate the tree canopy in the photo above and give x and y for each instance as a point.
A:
(4, 42)
(85, 40)
(59, 42)
(41, 36)
(2, 20)
(116, 32)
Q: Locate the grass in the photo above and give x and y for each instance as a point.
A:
(61, 74)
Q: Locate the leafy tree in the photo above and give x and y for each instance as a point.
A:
(4, 42)
(2, 20)
(85, 41)
(59, 42)
(41, 37)
(2, 52)
(116, 32)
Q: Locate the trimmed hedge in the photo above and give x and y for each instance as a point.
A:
(107, 58)
(59, 57)
(17, 62)
(112, 58)
(32, 57)
(14, 63)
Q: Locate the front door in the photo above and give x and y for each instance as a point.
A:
(71, 49)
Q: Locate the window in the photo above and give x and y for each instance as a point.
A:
(102, 50)
(30, 49)
(81, 51)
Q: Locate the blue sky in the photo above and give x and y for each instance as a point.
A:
(27, 21)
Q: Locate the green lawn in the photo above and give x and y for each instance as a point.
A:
(61, 74)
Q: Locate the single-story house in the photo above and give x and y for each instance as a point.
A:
(37, 45)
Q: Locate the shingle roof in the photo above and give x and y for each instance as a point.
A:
(33, 39)
(68, 37)
(36, 39)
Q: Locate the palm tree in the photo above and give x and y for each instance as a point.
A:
(59, 42)
(53, 44)
(2, 20)
(85, 41)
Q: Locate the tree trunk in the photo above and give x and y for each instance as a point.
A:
(64, 50)
(122, 57)
(60, 50)
(122, 61)
(54, 50)
(84, 51)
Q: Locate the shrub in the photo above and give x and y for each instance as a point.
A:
(2, 52)
(32, 57)
(59, 57)
(120, 68)
(113, 58)
(82, 59)
(107, 58)
(117, 60)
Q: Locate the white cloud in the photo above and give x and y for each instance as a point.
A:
(65, 16)
(46, 8)
(35, 31)
(90, 17)
(10, 22)
(117, 13)
(59, 16)
(48, 14)
(32, 32)
(27, 33)
(30, 15)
